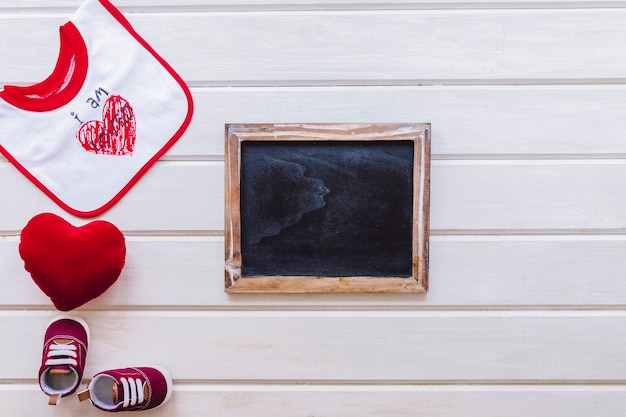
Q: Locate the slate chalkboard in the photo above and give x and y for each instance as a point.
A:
(327, 208)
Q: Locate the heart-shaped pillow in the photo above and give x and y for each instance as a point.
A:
(72, 265)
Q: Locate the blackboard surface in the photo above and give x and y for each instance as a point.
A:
(327, 208)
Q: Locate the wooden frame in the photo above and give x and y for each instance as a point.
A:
(387, 168)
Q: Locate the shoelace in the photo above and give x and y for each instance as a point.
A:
(133, 391)
(62, 355)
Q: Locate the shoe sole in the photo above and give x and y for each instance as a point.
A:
(74, 318)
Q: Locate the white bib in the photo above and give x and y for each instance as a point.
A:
(109, 110)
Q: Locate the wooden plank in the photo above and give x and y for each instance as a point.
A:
(143, 281)
(308, 4)
(484, 196)
(400, 347)
(170, 196)
(348, 401)
(466, 120)
(509, 195)
(468, 272)
(339, 47)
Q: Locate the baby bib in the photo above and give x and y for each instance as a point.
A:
(109, 110)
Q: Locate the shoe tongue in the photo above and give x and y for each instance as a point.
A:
(116, 392)
(60, 370)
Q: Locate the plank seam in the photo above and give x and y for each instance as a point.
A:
(17, 384)
(364, 312)
(329, 6)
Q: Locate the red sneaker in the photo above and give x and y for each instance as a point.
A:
(129, 389)
(63, 359)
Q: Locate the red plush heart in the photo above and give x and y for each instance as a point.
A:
(72, 265)
(115, 134)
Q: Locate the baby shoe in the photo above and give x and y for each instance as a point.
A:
(129, 389)
(64, 355)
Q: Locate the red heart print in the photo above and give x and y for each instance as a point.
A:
(72, 265)
(115, 134)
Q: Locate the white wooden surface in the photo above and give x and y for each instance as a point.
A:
(526, 313)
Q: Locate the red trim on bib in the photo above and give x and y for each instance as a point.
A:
(62, 85)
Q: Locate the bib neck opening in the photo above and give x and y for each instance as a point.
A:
(62, 85)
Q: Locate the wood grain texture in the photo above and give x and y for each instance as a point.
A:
(539, 347)
(185, 209)
(470, 272)
(126, 5)
(467, 121)
(356, 47)
(466, 196)
(489, 122)
(346, 401)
